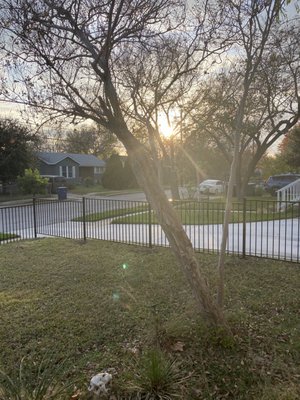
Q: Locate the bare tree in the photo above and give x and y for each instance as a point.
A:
(159, 77)
(62, 57)
(272, 105)
(256, 24)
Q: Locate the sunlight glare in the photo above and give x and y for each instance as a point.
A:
(165, 128)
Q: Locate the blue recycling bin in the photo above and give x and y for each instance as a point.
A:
(62, 193)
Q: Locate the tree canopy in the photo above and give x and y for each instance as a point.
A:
(16, 147)
(92, 139)
(290, 148)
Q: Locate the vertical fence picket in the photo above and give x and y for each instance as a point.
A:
(83, 219)
(34, 216)
(150, 226)
(244, 228)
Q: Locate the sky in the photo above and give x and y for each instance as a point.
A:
(11, 110)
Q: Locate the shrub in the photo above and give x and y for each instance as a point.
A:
(32, 182)
(88, 181)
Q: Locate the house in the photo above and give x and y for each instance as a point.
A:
(74, 167)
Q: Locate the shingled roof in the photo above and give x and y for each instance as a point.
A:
(83, 160)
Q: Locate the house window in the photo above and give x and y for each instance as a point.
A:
(98, 170)
(67, 171)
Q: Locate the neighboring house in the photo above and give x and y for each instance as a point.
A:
(74, 167)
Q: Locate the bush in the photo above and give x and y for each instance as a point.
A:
(32, 182)
(88, 181)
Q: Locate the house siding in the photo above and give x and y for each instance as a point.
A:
(56, 169)
(72, 166)
(46, 169)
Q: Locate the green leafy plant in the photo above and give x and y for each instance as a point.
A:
(32, 182)
(36, 381)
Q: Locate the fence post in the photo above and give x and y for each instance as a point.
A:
(34, 216)
(150, 225)
(83, 219)
(244, 228)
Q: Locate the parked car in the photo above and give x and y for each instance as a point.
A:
(276, 182)
(212, 186)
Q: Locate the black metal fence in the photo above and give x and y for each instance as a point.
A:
(258, 227)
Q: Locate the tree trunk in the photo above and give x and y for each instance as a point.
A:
(227, 216)
(228, 207)
(180, 244)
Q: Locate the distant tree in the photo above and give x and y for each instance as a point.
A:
(93, 139)
(16, 149)
(265, 78)
(290, 148)
(113, 175)
(199, 157)
(273, 165)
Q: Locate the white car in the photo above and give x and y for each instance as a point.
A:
(212, 186)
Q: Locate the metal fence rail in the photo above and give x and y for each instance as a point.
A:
(258, 227)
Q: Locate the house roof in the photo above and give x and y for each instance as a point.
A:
(83, 160)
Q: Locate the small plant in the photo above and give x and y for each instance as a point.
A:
(34, 381)
(158, 376)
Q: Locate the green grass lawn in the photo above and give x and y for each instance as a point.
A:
(105, 305)
(6, 236)
(113, 213)
(212, 212)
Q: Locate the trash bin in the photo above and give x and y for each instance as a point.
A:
(62, 193)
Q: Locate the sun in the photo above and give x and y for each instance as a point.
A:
(165, 128)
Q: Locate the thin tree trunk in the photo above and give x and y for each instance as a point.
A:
(228, 207)
(227, 217)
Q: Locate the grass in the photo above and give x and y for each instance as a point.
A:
(104, 305)
(113, 213)
(15, 197)
(201, 213)
(6, 236)
(37, 381)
